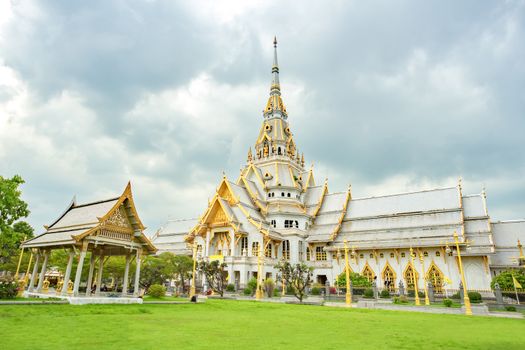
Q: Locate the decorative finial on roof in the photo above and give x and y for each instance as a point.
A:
(483, 191)
(275, 41)
(460, 183)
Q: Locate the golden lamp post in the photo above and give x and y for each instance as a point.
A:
(348, 295)
(193, 290)
(422, 260)
(466, 299)
(414, 277)
(521, 258)
(19, 261)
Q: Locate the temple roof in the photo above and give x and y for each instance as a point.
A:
(82, 220)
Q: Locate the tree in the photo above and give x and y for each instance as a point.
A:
(504, 279)
(215, 275)
(298, 277)
(156, 270)
(357, 280)
(182, 268)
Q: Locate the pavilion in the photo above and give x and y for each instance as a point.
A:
(104, 228)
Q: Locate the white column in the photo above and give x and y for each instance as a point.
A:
(35, 271)
(42, 272)
(99, 272)
(137, 274)
(207, 247)
(78, 275)
(90, 274)
(232, 243)
(126, 275)
(68, 272)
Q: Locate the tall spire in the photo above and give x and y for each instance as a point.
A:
(275, 89)
(275, 106)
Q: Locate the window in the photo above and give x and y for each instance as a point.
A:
(409, 277)
(296, 224)
(438, 254)
(368, 273)
(308, 253)
(425, 253)
(199, 250)
(371, 256)
(361, 256)
(403, 255)
(268, 251)
(282, 194)
(273, 223)
(244, 246)
(381, 255)
(389, 278)
(286, 250)
(279, 151)
(320, 254)
(436, 278)
(289, 195)
(255, 249)
(392, 255)
(301, 253)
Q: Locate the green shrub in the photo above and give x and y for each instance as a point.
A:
(252, 284)
(276, 293)
(369, 293)
(400, 300)
(230, 288)
(289, 290)
(510, 308)
(269, 286)
(455, 296)
(247, 291)
(420, 294)
(8, 289)
(157, 291)
(315, 291)
(385, 294)
(474, 297)
(447, 302)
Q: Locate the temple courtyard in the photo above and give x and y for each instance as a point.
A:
(225, 324)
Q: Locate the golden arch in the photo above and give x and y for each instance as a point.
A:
(389, 277)
(409, 274)
(368, 273)
(435, 276)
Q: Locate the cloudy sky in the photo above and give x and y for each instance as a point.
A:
(388, 96)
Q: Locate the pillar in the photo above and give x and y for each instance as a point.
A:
(68, 272)
(80, 265)
(126, 275)
(90, 274)
(42, 272)
(232, 244)
(35, 271)
(137, 274)
(497, 293)
(207, 246)
(99, 273)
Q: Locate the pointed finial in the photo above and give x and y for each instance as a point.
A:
(275, 41)
(483, 191)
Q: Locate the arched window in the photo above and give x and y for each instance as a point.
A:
(279, 151)
(320, 254)
(286, 250)
(268, 251)
(438, 253)
(368, 273)
(410, 274)
(255, 249)
(244, 246)
(301, 251)
(435, 276)
(308, 253)
(361, 256)
(381, 255)
(425, 253)
(282, 194)
(371, 256)
(199, 250)
(403, 255)
(296, 224)
(389, 278)
(391, 255)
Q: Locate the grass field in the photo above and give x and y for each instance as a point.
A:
(223, 324)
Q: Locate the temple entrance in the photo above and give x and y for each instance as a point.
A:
(321, 279)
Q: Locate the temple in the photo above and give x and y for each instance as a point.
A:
(99, 229)
(276, 209)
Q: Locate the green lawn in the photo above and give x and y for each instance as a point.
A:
(224, 324)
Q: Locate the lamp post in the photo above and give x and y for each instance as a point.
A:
(422, 260)
(466, 299)
(193, 290)
(348, 296)
(521, 258)
(414, 278)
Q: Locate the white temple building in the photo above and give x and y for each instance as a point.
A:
(276, 206)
